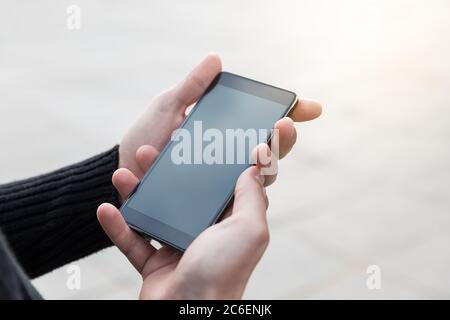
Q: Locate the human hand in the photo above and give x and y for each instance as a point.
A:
(165, 273)
(218, 263)
(167, 111)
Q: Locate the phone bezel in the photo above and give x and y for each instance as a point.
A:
(151, 228)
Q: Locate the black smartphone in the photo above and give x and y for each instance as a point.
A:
(191, 183)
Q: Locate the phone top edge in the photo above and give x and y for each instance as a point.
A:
(292, 93)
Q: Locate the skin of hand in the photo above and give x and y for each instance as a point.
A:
(218, 264)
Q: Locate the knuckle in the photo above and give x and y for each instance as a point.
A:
(295, 137)
(265, 236)
(261, 235)
(255, 231)
(239, 190)
(197, 81)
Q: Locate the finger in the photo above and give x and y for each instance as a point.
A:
(287, 135)
(305, 110)
(161, 258)
(136, 249)
(267, 161)
(228, 210)
(198, 80)
(249, 210)
(249, 196)
(124, 181)
(145, 156)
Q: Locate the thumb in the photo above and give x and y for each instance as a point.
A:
(250, 198)
(198, 80)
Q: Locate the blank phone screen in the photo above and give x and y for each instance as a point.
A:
(188, 195)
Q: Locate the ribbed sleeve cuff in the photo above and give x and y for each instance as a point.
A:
(50, 220)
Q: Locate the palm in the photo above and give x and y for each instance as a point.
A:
(158, 273)
(169, 273)
(164, 266)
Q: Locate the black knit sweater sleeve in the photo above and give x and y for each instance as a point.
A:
(50, 220)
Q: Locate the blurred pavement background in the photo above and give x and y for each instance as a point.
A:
(367, 184)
